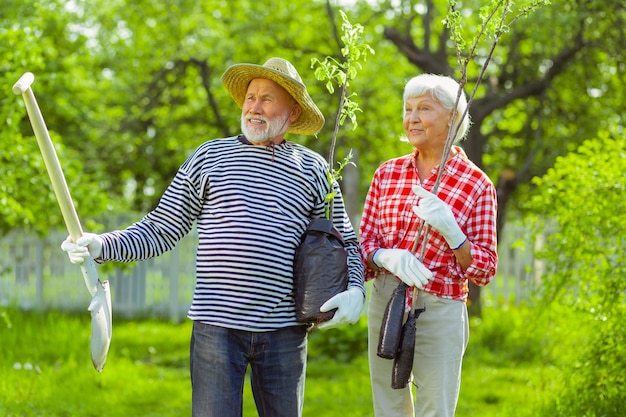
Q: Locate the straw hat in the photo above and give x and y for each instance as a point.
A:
(238, 77)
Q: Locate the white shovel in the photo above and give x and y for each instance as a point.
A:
(100, 306)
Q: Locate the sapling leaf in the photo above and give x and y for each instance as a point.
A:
(332, 72)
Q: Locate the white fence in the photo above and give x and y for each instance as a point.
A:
(35, 273)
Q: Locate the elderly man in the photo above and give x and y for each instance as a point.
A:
(252, 197)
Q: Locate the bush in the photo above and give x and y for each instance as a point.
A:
(342, 344)
(511, 336)
(579, 209)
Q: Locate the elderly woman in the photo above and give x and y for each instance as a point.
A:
(460, 246)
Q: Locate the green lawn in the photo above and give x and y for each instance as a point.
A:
(46, 371)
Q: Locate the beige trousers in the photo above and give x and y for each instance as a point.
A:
(441, 338)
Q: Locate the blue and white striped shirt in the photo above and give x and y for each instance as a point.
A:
(251, 204)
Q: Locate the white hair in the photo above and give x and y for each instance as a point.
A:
(443, 89)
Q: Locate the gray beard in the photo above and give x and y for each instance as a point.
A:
(273, 129)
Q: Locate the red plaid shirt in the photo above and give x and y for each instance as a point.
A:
(389, 221)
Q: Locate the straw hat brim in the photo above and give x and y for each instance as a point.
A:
(237, 78)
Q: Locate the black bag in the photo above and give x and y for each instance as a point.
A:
(320, 270)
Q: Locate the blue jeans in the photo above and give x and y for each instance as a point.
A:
(219, 359)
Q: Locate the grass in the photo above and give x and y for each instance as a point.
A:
(46, 371)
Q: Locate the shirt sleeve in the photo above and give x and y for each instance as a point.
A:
(481, 232)
(162, 228)
(369, 227)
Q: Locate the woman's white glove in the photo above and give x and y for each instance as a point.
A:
(439, 216)
(403, 264)
(348, 303)
(89, 245)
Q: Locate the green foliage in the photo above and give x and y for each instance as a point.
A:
(343, 344)
(502, 340)
(129, 89)
(508, 365)
(597, 382)
(578, 208)
(495, 19)
(19, 166)
(331, 71)
(37, 37)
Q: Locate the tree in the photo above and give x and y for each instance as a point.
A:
(36, 37)
(170, 98)
(521, 106)
(129, 89)
(131, 81)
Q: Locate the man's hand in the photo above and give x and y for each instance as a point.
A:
(348, 304)
(403, 264)
(89, 245)
(439, 216)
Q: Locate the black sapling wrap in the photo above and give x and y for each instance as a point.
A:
(391, 325)
(320, 270)
(403, 360)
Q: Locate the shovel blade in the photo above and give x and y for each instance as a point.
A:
(101, 325)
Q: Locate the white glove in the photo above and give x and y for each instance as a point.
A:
(87, 246)
(405, 265)
(439, 216)
(348, 304)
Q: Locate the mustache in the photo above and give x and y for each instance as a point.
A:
(249, 117)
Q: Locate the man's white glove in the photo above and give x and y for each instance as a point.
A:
(89, 245)
(439, 216)
(348, 303)
(403, 264)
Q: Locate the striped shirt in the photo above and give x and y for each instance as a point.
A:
(389, 222)
(251, 205)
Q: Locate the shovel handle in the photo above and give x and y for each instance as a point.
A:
(100, 306)
(59, 185)
(23, 83)
(22, 86)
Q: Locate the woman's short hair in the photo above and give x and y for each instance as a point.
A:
(443, 89)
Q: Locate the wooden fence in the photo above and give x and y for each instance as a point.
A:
(36, 274)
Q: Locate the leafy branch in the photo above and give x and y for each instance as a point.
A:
(493, 25)
(494, 17)
(333, 72)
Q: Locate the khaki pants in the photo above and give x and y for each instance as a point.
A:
(441, 338)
